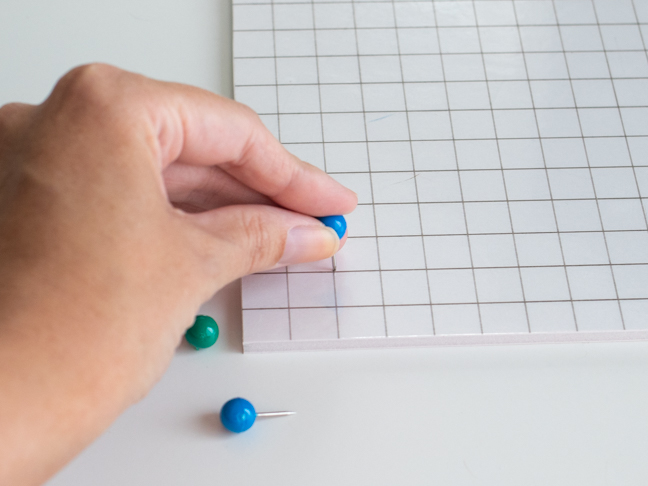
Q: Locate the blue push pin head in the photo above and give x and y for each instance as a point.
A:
(238, 415)
(338, 223)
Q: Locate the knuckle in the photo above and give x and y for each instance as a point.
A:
(87, 83)
(12, 117)
(9, 111)
(98, 97)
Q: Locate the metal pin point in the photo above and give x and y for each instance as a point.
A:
(334, 262)
(274, 414)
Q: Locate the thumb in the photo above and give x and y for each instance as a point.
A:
(250, 238)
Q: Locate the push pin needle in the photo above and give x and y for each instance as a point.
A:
(238, 415)
(274, 414)
(339, 225)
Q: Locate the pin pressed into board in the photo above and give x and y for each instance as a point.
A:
(339, 225)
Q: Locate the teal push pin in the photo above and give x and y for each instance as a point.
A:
(339, 225)
(238, 415)
(203, 333)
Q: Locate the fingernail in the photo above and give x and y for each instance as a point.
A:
(308, 244)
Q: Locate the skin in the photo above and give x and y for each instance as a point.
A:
(125, 203)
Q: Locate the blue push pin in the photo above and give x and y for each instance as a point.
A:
(339, 225)
(238, 415)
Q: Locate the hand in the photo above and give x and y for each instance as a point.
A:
(125, 203)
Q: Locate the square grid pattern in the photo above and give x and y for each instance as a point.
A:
(499, 149)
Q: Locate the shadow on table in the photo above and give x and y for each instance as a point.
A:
(209, 424)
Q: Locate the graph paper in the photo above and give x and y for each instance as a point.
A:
(499, 150)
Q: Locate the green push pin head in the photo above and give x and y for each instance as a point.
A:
(203, 333)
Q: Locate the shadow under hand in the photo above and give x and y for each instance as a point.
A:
(184, 347)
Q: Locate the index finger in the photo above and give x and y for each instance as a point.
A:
(200, 128)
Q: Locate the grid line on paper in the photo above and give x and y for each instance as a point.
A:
(409, 134)
(427, 111)
(274, 48)
(519, 169)
(459, 303)
(476, 201)
(513, 267)
(641, 50)
(501, 166)
(518, 232)
(441, 82)
(638, 24)
(461, 190)
(477, 139)
(410, 27)
(616, 97)
(544, 162)
(319, 94)
(598, 208)
(371, 185)
(500, 155)
(419, 28)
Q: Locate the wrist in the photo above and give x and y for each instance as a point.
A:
(58, 391)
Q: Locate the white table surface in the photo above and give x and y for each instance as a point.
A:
(520, 415)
